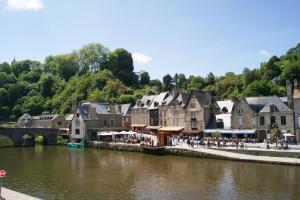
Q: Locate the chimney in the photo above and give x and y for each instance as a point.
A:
(174, 88)
(289, 92)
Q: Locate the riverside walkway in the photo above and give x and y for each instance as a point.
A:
(8, 194)
(239, 156)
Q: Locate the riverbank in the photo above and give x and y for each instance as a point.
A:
(201, 153)
(8, 194)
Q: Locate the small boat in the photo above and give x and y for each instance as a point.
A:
(76, 145)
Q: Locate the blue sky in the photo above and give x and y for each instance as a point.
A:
(165, 36)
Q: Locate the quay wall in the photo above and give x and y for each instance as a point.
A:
(188, 153)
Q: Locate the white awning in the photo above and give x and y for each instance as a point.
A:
(231, 131)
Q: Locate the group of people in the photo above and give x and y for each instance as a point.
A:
(196, 141)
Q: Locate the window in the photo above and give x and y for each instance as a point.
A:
(77, 114)
(194, 125)
(273, 120)
(111, 122)
(193, 115)
(298, 122)
(262, 121)
(165, 113)
(193, 105)
(165, 123)
(283, 120)
(240, 111)
(241, 121)
(59, 123)
(77, 132)
(105, 122)
(77, 123)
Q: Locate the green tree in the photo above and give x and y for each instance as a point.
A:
(167, 79)
(196, 83)
(64, 65)
(91, 57)
(144, 78)
(5, 67)
(3, 97)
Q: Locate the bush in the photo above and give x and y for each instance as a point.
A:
(61, 140)
(39, 139)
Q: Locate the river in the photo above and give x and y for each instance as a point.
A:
(54, 172)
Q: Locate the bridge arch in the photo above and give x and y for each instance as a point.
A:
(17, 134)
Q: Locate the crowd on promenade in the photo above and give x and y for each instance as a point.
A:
(220, 142)
(138, 137)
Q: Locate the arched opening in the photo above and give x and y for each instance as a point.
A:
(40, 140)
(28, 140)
(6, 141)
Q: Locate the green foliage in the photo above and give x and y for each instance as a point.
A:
(60, 140)
(94, 73)
(144, 78)
(39, 139)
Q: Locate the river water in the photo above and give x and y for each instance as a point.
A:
(54, 172)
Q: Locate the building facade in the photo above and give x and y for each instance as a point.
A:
(91, 118)
(264, 114)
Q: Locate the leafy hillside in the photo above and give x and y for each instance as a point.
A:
(95, 73)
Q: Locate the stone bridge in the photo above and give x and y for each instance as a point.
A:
(16, 134)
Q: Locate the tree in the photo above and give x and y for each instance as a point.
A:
(121, 65)
(210, 78)
(196, 83)
(6, 79)
(271, 69)
(291, 70)
(64, 65)
(91, 57)
(182, 81)
(5, 67)
(167, 79)
(3, 97)
(144, 78)
(19, 67)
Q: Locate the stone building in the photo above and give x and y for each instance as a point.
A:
(91, 118)
(25, 121)
(140, 113)
(200, 110)
(125, 110)
(168, 111)
(263, 114)
(48, 121)
(293, 93)
(42, 121)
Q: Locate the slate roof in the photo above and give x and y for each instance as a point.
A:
(125, 108)
(144, 102)
(228, 104)
(101, 108)
(45, 117)
(158, 100)
(262, 104)
(182, 98)
(25, 116)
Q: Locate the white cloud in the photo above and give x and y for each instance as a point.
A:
(264, 53)
(25, 4)
(140, 58)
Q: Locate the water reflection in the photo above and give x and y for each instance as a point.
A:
(58, 173)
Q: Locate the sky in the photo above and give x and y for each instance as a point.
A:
(193, 37)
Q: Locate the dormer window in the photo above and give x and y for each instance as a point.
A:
(148, 102)
(224, 110)
(193, 105)
(240, 111)
(273, 108)
(155, 104)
